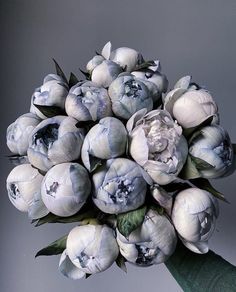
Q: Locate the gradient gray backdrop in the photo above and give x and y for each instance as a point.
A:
(189, 37)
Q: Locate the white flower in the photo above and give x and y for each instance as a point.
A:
(151, 243)
(119, 186)
(190, 105)
(157, 145)
(87, 101)
(212, 145)
(154, 75)
(127, 58)
(53, 92)
(94, 62)
(23, 186)
(90, 248)
(194, 214)
(105, 73)
(129, 94)
(55, 140)
(18, 133)
(105, 140)
(65, 188)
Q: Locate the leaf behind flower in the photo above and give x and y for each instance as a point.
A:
(54, 248)
(50, 111)
(59, 71)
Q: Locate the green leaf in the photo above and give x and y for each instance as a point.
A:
(86, 74)
(129, 221)
(50, 111)
(188, 132)
(201, 272)
(120, 261)
(60, 72)
(159, 209)
(200, 163)
(56, 247)
(73, 80)
(144, 65)
(204, 184)
(189, 170)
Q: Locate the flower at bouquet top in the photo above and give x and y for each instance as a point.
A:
(105, 140)
(19, 131)
(90, 249)
(53, 92)
(119, 186)
(212, 145)
(151, 243)
(128, 95)
(194, 215)
(157, 144)
(55, 140)
(23, 186)
(154, 75)
(190, 104)
(65, 188)
(87, 101)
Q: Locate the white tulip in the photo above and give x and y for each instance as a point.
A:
(87, 101)
(157, 144)
(65, 189)
(127, 58)
(190, 105)
(105, 140)
(53, 92)
(18, 133)
(55, 140)
(119, 186)
(212, 145)
(151, 243)
(194, 214)
(129, 94)
(23, 186)
(92, 248)
(105, 73)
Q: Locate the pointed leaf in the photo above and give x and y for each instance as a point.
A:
(189, 170)
(205, 273)
(50, 111)
(56, 247)
(120, 261)
(144, 65)
(59, 71)
(129, 221)
(204, 184)
(86, 74)
(73, 80)
(201, 164)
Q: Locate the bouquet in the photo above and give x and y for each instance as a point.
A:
(125, 159)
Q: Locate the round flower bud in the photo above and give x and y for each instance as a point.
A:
(194, 214)
(23, 186)
(92, 248)
(151, 243)
(119, 186)
(88, 102)
(18, 133)
(65, 189)
(94, 62)
(55, 140)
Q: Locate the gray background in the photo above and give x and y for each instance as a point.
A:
(189, 37)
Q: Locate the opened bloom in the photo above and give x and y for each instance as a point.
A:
(88, 102)
(129, 94)
(23, 186)
(151, 243)
(18, 133)
(194, 215)
(105, 140)
(53, 93)
(90, 249)
(157, 144)
(119, 186)
(55, 140)
(65, 188)
(190, 104)
(212, 145)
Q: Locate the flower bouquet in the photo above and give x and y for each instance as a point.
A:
(129, 163)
